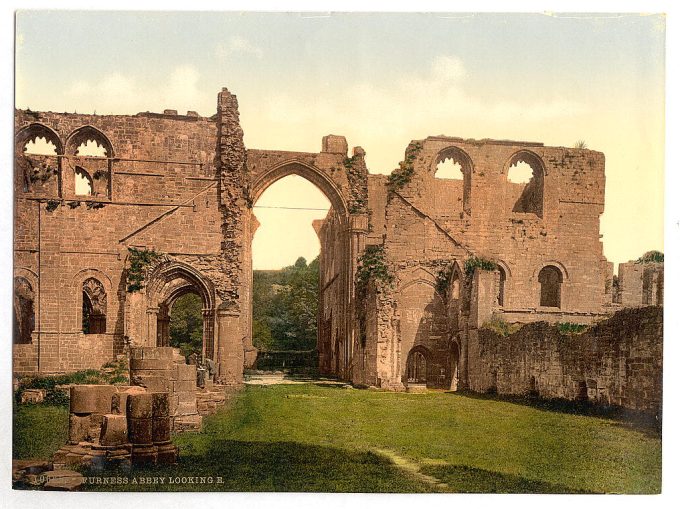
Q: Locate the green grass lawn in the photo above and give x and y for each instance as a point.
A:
(323, 438)
(38, 431)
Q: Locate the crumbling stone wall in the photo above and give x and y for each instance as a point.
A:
(616, 362)
(161, 195)
(428, 224)
(184, 186)
(639, 284)
(181, 186)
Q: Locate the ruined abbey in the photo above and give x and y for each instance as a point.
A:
(413, 267)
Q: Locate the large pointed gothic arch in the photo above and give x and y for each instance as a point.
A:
(311, 173)
(330, 182)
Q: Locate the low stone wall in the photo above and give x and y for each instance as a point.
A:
(289, 360)
(616, 362)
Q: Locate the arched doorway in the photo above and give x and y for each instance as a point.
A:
(337, 253)
(169, 283)
(423, 327)
(416, 367)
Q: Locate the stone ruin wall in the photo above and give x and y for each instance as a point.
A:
(184, 186)
(430, 224)
(162, 186)
(616, 362)
(566, 232)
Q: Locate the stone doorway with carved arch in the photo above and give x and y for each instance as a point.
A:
(168, 282)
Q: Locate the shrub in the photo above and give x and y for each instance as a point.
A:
(651, 257)
(571, 328)
(476, 262)
(501, 327)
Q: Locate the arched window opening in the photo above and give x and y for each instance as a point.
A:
(94, 307)
(24, 312)
(36, 156)
(40, 146)
(89, 142)
(525, 178)
(91, 148)
(90, 151)
(550, 279)
(449, 169)
(83, 182)
(455, 286)
(500, 298)
(454, 164)
(416, 368)
(520, 173)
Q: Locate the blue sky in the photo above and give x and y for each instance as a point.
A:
(381, 80)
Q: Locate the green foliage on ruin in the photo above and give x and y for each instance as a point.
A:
(402, 175)
(42, 173)
(285, 305)
(186, 324)
(98, 174)
(114, 372)
(571, 328)
(651, 257)
(501, 327)
(443, 278)
(358, 205)
(581, 144)
(138, 260)
(372, 267)
(348, 162)
(358, 202)
(477, 262)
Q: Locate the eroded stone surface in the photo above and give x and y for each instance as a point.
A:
(184, 186)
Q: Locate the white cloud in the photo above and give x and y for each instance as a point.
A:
(237, 45)
(384, 118)
(120, 94)
(448, 68)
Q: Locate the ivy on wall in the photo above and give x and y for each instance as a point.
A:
(443, 278)
(139, 260)
(41, 172)
(371, 266)
(402, 175)
(357, 177)
(52, 205)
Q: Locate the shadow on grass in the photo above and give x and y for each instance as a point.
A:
(463, 479)
(625, 418)
(267, 466)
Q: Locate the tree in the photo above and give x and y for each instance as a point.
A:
(186, 324)
(285, 305)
